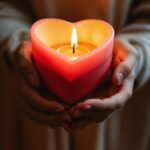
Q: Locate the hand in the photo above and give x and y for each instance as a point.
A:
(37, 107)
(113, 95)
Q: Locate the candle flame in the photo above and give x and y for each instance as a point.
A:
(74, 40)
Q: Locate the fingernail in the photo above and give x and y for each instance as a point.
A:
(120, 78)
(87, 107)
(31, 80)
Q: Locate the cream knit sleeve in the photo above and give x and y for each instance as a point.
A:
(137, 35)
(11, 20)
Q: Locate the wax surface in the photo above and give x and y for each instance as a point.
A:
(72, 80)
(66, 49)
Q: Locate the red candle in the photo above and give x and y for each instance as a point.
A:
(72, 58)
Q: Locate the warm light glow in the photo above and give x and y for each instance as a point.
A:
(74, 39)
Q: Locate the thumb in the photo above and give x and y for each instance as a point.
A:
(127, 66)
(25, 65)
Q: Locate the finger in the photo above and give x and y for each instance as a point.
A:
(93, 115)
(25, 65)
(54, 121)
(125, 67)
(119, 53)
(74, 108)
(111, 91)
(33, 98)
(114, 102)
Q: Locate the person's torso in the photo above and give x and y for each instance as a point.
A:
(113, 11)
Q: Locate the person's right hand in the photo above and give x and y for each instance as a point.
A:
(38, 108)
(114, 93)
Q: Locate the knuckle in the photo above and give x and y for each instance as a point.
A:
(133, 75)
(127, 69)
(23, 44)
(128, 94)
(119, 103)
(22, 49)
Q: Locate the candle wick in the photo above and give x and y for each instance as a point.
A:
(73, 49)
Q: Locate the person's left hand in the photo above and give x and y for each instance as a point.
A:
(111, 95)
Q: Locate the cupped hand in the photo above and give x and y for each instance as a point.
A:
(111, 95)
(39, 108)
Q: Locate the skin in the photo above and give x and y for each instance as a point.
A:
(36, 105)
(112, 95)
(117, 90)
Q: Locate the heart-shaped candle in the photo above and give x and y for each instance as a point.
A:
(72, 58)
